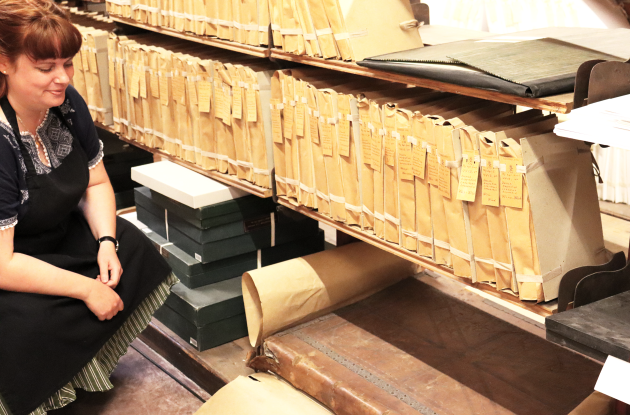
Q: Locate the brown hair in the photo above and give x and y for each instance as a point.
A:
(38, 29)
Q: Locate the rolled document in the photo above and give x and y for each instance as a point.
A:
(292, 292)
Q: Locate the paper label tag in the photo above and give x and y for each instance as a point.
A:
(511, 184)
(344, 135)
(405, 163)
(143, 83)
(192, 92)
(366, 139)
(197, 257)
(444, 179)
(468, 178)
(179, 85)
(155, 85)
(299, 119)
(390, 150)
(314, 127)
(327, 144)
(237, 100)
(85, 65)
(226, 106)
(164, 92)
(111, 73)
(288, 121)
(377, 152)
(490, 183)
(252, 112)
(276, 122)
(205, 93)
(93, 64)
(432, 163)
(134, 85)
(419, 155)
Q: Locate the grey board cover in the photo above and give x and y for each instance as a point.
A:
(219, 232)
(193, 274)
(206, 337)
(415, 62)
(286, 230)
(603, 326)
(208, 304)
(208, 216)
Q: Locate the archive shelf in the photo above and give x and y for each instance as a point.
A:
(260, 52)
(220, 177)
(561, 104)
(543, 310)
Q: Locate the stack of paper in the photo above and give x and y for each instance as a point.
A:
(606, 122)
(339, 29)
(448, 177)
(207, 106)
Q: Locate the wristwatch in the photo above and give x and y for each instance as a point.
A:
(108, 238)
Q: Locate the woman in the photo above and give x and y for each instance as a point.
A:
(77, 284)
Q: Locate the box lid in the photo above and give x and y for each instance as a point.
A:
(184, 185)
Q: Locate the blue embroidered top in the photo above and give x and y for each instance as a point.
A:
(57, 141)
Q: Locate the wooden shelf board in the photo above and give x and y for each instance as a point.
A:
(261, 52)
(540, 309)
(223, 178)
(558, 103)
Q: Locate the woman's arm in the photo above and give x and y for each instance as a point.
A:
(99, 208)
(23, 273)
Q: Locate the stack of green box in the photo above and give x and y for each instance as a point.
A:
(209, 248)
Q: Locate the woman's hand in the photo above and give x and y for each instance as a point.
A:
(109, 264)
(103, 301)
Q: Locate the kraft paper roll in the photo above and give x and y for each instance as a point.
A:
(292, 292)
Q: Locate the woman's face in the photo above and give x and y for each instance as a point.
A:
(39, 85)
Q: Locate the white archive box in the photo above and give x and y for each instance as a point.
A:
(184, 185)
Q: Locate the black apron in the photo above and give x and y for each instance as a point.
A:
(46, 340)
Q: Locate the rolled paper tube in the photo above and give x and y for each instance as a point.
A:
(293, 292)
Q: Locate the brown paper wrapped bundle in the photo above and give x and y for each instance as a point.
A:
(327, 104)
(366, 171)
(306, 191)
(288, 132)
(212, 13)
(275, 17)
(155, 106)
(291, 31)
(390, 170)
(322, 201)
(242, 148)
(308, 29)
(348, 142)
(292, 292)
(207, 138)
(325, 38)
(225, 21)
(279, 155)
(226, 152)
(263, 22)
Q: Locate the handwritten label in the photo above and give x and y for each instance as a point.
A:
(299, 118)
(511, 184)
(252, 112)
(93, 64)
(468, 178)
(111, 72)
(314, 128)
(366, 139)
(192, 92)
(432, 166)
(377, 152)
(164, 92)
(143, 83)
(327, 144)
(276, 122)
(344, 136)
(237, 100)
(134, 86)
(205, 94)
(405, 163)
(179, 85)
(390, 150)
(490, 183)
(155, 85)
(288, 121)
(444, 179)
(419, 155)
